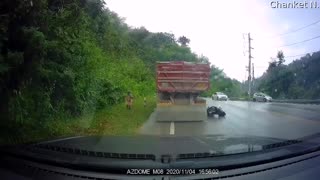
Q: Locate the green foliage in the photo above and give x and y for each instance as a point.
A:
(60, 60)
(184, 41)
(297, 80)
(63, 60)
(280, 57)
(221, 83)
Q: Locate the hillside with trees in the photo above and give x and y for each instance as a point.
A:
(299, 79)
(220, 82)
(65, 59)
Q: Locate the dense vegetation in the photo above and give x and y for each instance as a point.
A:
(63, 60)
(221, 83)
(298, 80)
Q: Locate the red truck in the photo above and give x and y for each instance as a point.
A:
(179, 85)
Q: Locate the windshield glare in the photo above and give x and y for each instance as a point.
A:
(139, 68)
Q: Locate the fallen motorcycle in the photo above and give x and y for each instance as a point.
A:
(211, 111)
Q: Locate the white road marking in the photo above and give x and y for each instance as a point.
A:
(172, 128)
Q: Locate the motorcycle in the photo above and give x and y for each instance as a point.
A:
(211, 111)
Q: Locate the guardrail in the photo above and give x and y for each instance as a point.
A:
(294, 101)
(297, 101)
(239, 99)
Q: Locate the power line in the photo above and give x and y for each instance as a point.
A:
(301, 41)
(298, 55)
(261, 67)
(296, 30)
(302, 54)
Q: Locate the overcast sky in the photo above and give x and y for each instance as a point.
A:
(218, 28)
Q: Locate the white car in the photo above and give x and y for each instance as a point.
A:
(261, 97)
(219, 96)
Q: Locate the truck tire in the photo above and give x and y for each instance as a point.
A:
(264, 100)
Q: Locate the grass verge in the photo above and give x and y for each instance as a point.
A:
(117, 120)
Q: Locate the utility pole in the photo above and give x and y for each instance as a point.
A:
(249, 67)
(253, 75)
(245, 74)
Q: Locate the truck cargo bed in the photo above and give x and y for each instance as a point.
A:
(182, 77)
(179, 84)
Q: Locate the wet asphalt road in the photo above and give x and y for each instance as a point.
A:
(277, 120)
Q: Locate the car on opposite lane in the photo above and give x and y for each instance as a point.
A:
(220, 96)
(261, 97)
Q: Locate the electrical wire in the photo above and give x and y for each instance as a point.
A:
(299, 55)
(298, 29)
(301, 41)
(302, 54)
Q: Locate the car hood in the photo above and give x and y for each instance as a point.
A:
(110, 152)
(158, 145)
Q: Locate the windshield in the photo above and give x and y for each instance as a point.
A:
(152, 68)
